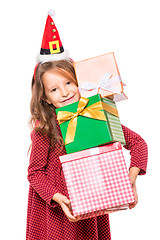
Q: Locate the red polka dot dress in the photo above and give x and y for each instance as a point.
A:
(45, 218)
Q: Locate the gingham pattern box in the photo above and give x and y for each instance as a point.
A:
(97, 180)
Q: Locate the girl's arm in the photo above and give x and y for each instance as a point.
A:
(139, 157)
(138, 151)
(36, 170)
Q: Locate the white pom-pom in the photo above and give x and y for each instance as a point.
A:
(51, 12)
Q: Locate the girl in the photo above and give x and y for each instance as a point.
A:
(49, 213)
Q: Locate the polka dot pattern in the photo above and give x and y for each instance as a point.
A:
(45, 218)
(138, 149)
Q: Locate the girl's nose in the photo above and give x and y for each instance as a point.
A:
(64, 92)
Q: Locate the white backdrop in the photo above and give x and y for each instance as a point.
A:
(87, 29)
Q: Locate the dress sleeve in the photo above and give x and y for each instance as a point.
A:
(36, 171)
(138, 149)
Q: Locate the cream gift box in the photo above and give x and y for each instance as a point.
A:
(100, 75)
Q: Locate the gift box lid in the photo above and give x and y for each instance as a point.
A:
(90, 152)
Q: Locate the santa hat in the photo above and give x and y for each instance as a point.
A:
(51, 47)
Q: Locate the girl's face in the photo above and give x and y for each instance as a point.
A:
(59, 90)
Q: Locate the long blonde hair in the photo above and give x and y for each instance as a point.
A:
(40, 109)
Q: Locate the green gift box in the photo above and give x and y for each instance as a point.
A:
(114, 123)
(85, 124)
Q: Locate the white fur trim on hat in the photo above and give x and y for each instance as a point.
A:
(52, 57)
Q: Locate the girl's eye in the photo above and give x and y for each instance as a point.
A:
(68, 82)
(54, 89)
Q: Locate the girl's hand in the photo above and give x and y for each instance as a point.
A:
(66, 206)
(133, 182)
(133, 173)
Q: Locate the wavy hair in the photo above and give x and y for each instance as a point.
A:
(41, 111)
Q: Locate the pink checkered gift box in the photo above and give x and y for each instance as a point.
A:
(97, 180)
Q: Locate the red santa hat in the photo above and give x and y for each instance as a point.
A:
(51, 47)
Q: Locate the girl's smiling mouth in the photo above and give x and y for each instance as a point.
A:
(68, 99)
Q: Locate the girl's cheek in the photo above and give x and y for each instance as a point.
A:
(76, 89)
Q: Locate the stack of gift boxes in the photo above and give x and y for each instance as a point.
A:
(94, 168)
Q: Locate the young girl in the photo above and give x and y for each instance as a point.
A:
(49, 214)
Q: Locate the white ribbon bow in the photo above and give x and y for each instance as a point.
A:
(106, 83)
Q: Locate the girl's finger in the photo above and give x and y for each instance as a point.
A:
(66, 200)
(66, 206)
(67, 212)
(132, 205)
